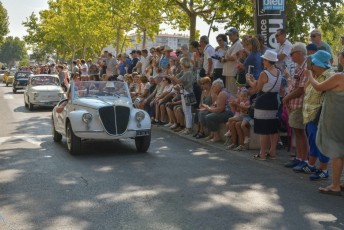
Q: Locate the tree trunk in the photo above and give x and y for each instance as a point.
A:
(118, 40)
(144, 38)
(193, 18)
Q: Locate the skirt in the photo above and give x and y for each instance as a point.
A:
(265, 114)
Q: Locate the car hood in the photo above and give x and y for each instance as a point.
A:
(101, 102)
(41, 88)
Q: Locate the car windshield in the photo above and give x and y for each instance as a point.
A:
(86, 89)
(22, 75)
(44, 80)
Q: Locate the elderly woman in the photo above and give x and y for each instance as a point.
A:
(207, 99)
(219, 112)
(265, 120)
(185, 79)
(330, 138)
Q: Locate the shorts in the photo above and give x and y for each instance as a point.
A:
(295, 119)
(248, 119)
(312, 130)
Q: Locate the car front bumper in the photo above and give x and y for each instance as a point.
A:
(102, 135)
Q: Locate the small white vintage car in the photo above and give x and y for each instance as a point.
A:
(99, 110)
(43, 90)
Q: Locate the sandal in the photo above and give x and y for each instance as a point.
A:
(200, 135)
(271, 157)
(328, 190)
(258, 157)
(196, 134)
(232, 146)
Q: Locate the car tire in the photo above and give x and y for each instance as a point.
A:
(73, 142)
(142, 143)
(56, 136)
(31, 106)
(14, 91)
(26, 105)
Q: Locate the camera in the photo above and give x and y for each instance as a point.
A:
(216, 57)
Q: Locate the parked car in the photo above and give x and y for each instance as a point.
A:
(99, 110)
(20, 80)
(43, 90)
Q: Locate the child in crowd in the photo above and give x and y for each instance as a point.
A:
(239, 107)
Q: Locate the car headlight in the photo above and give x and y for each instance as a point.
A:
(139, 116)
(87, 118)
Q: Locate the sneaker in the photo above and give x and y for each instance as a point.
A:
(291, 164)
(232, 146)
(169, 124)
(240, 148)
(303, 167)
(319, 175)
(174, 126)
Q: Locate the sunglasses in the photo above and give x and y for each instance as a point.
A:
(313, 36)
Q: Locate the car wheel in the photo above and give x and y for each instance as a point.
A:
(26, 105)
(29, 104)
(56, 136)
(73, 142)
(14, 91)
(142, 143)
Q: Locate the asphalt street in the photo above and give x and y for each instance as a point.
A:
(179, 184)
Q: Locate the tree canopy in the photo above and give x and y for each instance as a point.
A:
(3, 22)
(83, 28)
(13, 49)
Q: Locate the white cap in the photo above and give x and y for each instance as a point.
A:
(270, 56)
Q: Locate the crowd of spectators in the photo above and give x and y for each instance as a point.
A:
(240, 83)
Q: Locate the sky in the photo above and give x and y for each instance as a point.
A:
(19, 10)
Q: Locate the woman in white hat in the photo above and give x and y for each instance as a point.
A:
(266, 105)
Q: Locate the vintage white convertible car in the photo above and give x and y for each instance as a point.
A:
(99, 110)
(43, 90)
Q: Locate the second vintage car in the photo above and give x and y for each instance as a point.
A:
(20, 80)
(100, 110)
(43, 90)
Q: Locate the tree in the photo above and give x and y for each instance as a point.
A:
(3, 22)
(13, 49)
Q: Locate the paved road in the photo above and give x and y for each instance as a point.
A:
(179, 184)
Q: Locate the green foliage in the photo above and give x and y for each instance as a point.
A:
(13, 49)
(3, 22)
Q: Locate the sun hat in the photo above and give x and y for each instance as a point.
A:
(167, 49)
(120, 78)
(232, 31)
(270, 56)
(321, 58)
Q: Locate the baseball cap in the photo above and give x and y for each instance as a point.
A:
(232, 31)
(312, 47)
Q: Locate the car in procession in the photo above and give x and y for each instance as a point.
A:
(43, 90)
(20, 80)
(99, 110)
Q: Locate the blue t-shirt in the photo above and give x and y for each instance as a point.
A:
(255, 60)
(122, 66)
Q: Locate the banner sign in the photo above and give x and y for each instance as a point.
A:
(270, 16)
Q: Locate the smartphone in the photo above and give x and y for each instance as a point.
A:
(250, 69)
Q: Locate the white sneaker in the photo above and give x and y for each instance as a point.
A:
(173, 126)
(169, 124)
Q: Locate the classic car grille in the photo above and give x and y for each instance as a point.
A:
(115, 119)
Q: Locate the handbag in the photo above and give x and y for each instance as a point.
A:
(253, 105)
(190, 99)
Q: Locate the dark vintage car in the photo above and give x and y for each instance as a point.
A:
(20, 80)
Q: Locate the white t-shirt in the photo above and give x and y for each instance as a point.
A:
(285, 48)
(221, 52)
(208, 52)
(230, 67)
(144, 64)
(168, 88)
(84, 70)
